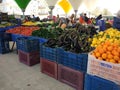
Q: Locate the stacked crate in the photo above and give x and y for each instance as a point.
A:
(102, 75)
(28, 50)
(48, 60)
(72, 68)
(97, 83)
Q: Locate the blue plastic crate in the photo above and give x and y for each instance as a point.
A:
(41, 40)
(116, 22)
(97, 83)
(72, 60)
(5, 36)
(15, 36)
(27, 44)
(2, 29)
(4, 47)
(48, 53)
(101, 24)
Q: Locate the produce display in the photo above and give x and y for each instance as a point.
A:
(27, 31)
(111, 34)
(29, 23)
(47, 32)
(108, 51)
(6, 24)
(75, 40)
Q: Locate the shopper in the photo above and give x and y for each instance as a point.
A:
(57, 19)
(86, 19)
(26, 19)
(81, 19)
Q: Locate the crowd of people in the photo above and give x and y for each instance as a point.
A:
(71, 21)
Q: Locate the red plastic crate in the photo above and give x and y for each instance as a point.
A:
(29, 59)
(71, 77)
(49, 68)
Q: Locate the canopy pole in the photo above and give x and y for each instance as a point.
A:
(51, 11)
(23, 10)
(76, 13)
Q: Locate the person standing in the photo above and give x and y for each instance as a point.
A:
(81, 19)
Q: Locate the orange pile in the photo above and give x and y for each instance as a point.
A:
(109, 52)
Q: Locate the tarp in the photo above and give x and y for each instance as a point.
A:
(66, 6)
(76, 3)
(51, 2)
(22, 3)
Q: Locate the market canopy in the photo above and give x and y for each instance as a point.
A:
(51, 2)
(66, 5)
(22, 3)
(76, 3)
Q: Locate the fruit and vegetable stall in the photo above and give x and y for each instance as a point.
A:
(82, 57)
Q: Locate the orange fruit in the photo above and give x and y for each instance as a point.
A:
(116, 58)
(104, 48)
(118, 49)
(96, 50)
(109, 48)
(119, 61)
(101, 51)
(104, 55)
(99, 47)
(108, 52)
(100, 58)
(109, 56)
(112, 61)
(114, 52)
(97, 54)
(107, 43)
(115, 44)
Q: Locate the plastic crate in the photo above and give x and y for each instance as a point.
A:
(48, 53)
(49, 68)
(2, 29)
(4, 47)
(5, 36)
(15, 36)
(72, 60)
(29, 59)
(103, 69)
(116, 22)
(71, 77)
(97, 83)
(27, 44)
(41, 40)
(101, 24)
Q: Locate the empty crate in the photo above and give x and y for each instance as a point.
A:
(49, 68)
(71, 77)
(97, 83)
(29, 59)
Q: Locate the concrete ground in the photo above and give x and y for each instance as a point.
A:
(18, 76)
